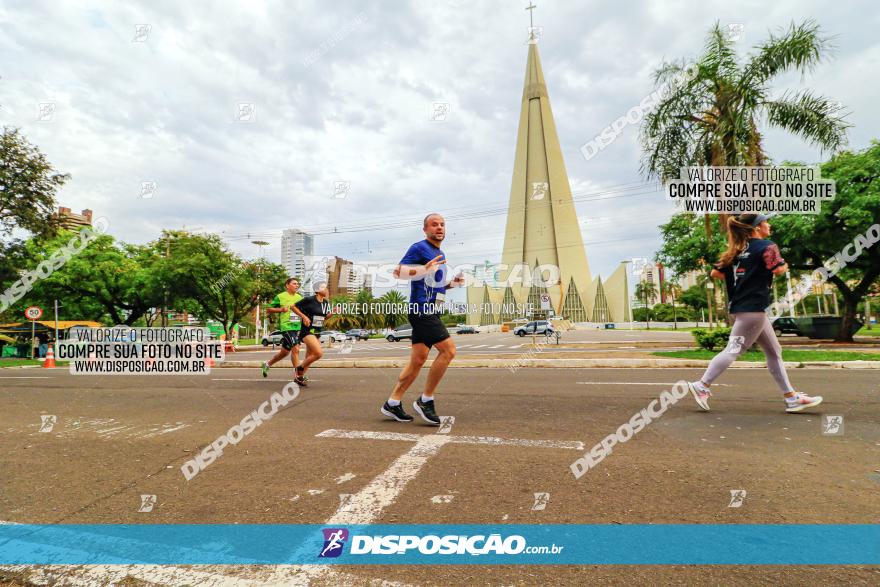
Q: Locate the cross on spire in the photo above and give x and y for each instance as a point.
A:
(531, 8)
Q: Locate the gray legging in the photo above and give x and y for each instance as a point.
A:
(749, 328)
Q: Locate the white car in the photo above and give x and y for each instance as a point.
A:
(332, 336)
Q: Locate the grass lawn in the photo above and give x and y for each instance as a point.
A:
(25, 362)
(787, 355)
(875, 331)
(243, 341)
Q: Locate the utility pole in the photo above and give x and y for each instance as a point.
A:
(56, 323)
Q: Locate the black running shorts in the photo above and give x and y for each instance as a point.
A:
(289, 339)
(427, 329)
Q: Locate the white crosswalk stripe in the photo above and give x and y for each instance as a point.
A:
(495, 346)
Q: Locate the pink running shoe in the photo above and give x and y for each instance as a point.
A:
(801, 401)
(701, 393)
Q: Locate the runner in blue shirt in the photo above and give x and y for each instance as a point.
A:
(425, 265)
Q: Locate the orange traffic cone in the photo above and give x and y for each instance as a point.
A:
(50, 358)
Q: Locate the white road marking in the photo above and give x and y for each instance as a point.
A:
(370, 435)
(479, 346)
(368, 505)
(493, 440)
(495, 346)
(637, 383)
(442, 499)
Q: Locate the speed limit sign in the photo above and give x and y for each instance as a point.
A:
(33, 313)
(545, 301)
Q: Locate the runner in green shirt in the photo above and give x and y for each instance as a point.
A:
(289, 324)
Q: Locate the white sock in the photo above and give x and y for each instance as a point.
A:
(426, 399)
(393, 402)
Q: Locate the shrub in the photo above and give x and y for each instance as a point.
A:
(711, 339)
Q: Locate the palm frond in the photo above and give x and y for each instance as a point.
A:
(801, 47)
(815, 118)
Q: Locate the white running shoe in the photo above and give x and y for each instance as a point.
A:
(701, 393)
(801, 401)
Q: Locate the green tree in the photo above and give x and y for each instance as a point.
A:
(203, 276)
(645, 293)
(394, 298)
(694, 297)
(28, 184)
(106, 280)
(808, 241)
(710, 114)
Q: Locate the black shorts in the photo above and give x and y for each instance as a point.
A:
(427, 329)
(304, 332)
(289, 339)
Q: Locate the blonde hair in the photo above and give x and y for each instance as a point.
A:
(739, 231)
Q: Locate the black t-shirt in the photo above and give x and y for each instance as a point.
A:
(749, 277)
(312, 308)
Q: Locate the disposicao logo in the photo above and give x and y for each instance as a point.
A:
(334, 541)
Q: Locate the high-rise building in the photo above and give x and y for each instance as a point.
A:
(72, 220)
(346, 278)
(543, 230)
(653, 276)
(296, 245)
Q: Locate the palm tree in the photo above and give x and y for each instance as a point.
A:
(711, 116)
(394, 298)
(672, 290)
(645, 292)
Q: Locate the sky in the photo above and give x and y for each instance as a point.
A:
(242, 118)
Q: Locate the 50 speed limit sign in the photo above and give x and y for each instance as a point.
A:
(545, 301)
(33, 313)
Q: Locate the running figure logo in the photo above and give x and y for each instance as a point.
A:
(147, 503)
(539, 189)
(737, 496)
(334, 541)
(48, 422)
(541, 501)
(735, 345)
(832, 425)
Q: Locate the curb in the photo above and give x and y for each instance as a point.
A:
(568, 364)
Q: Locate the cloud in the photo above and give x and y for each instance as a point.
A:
(345, 94)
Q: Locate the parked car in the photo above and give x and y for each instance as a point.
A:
(786, 325)
(272, 338)
(399, 333)
(358, 334)
(332, 336)
(535, 327)
(465, 329)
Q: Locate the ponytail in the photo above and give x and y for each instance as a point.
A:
(739, 231)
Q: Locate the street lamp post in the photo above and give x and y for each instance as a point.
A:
(259, 320)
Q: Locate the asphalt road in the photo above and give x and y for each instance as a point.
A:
(497, 343)
(117, 438)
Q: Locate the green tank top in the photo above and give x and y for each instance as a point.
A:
(287, 320)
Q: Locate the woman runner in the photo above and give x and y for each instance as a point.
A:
(747, 268)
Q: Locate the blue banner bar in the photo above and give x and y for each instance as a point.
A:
(664, 544)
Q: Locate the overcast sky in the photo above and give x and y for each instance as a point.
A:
(344, 92)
